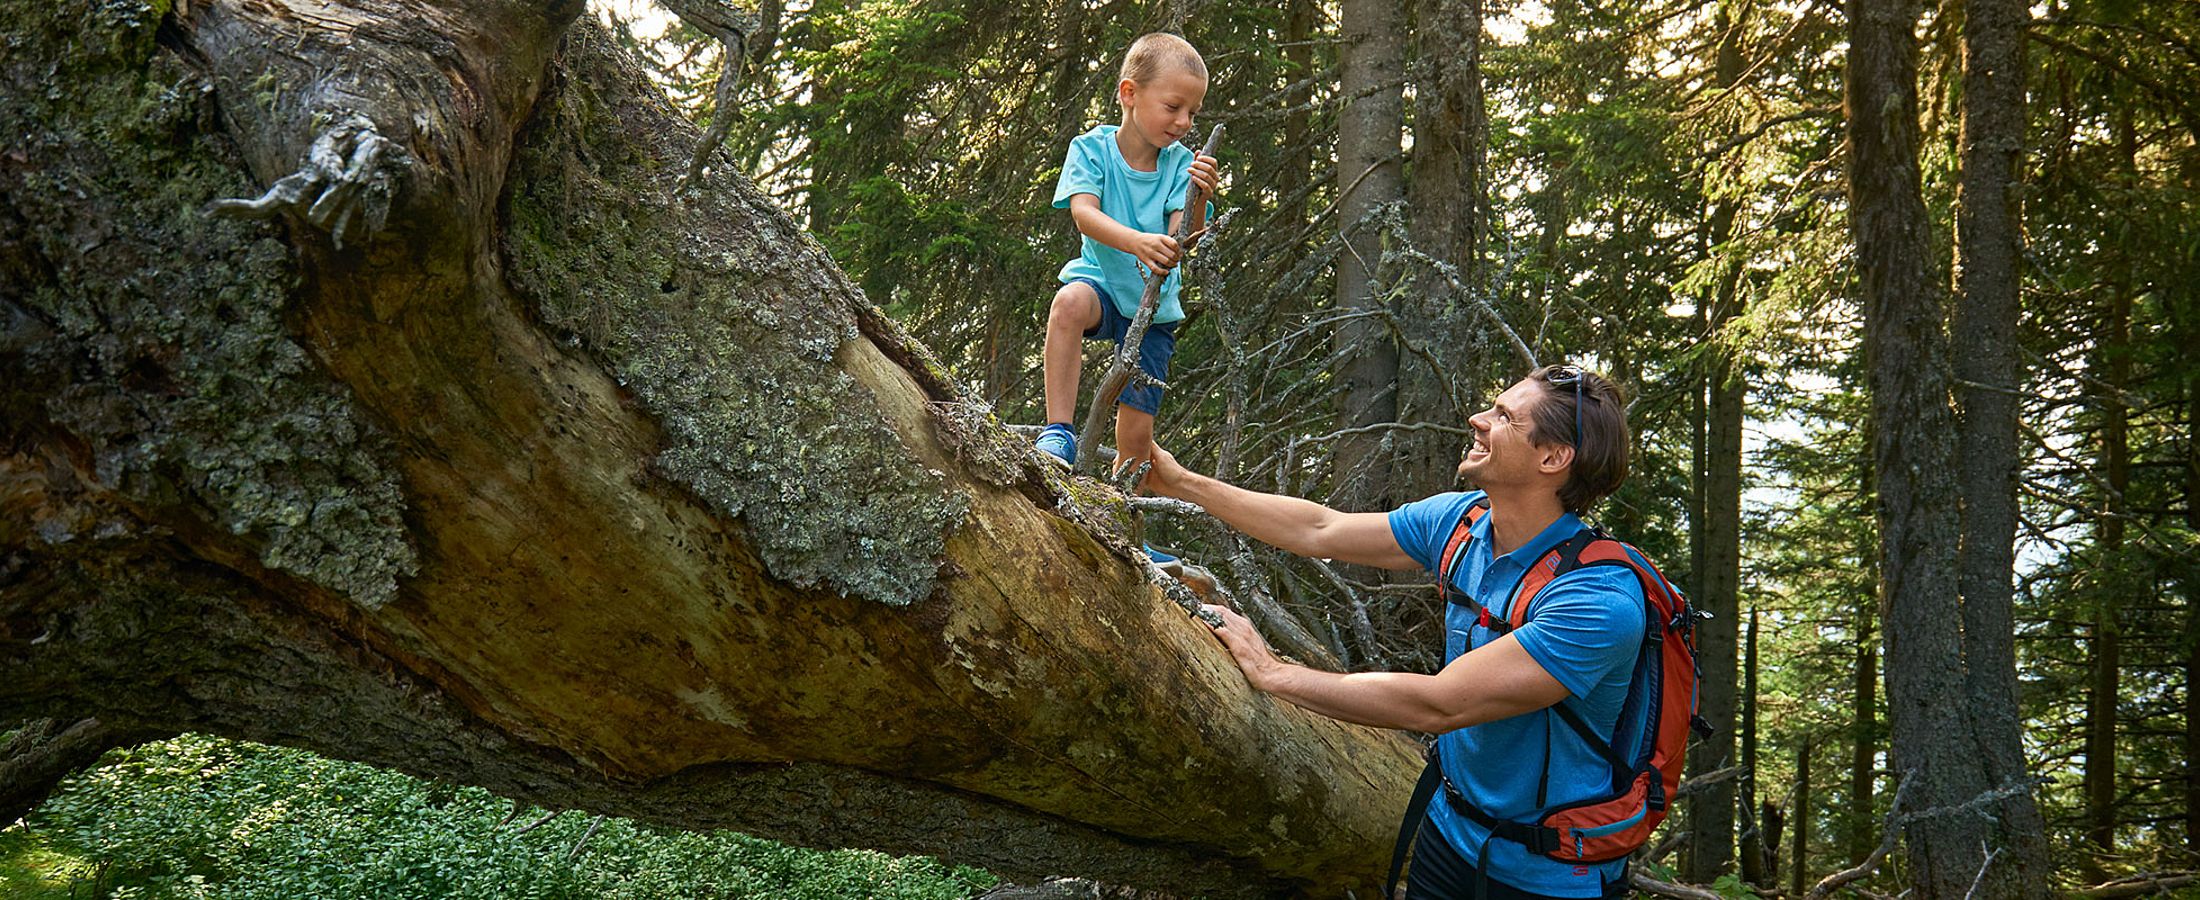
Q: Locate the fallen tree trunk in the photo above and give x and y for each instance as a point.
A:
(459, 439)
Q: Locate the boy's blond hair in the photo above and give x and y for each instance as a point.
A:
(1158, 52)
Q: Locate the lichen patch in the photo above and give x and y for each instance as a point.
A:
(164, 347)
(725, 321)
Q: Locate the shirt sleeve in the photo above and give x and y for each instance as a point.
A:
(1422, 527)
(1180, 178)
(1080, 174)
(1585, 625)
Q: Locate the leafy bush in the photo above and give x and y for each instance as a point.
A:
(200, 817)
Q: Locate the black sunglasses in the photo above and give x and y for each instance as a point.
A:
(1561, 376)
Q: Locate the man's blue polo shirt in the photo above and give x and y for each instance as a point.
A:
(1586, 630)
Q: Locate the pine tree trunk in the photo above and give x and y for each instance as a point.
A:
(1711, 813)
(1298, 124)
(1860, 821)
(2192, 603)
(553, 478)
(1906, 349)
(1799, 819)
(1369, 135)
(1988, 380)
(1449, 206)
(2102, 693)
(1753, 837)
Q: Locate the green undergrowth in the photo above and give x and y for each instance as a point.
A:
(202, 817)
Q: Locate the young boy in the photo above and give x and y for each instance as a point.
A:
(1124, 187)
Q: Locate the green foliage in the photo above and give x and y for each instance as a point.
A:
(199, 817)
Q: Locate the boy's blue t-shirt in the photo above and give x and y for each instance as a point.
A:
(1585, 630)
(1138, 200)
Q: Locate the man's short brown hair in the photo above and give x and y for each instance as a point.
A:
(1601, 447)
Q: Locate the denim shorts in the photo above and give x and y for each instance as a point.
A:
(1153, 352)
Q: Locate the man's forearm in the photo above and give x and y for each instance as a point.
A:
(1376, 699)
(1497, 681)
(1286, 523)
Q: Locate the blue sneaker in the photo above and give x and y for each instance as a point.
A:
(1059, 442)
(1164, 561)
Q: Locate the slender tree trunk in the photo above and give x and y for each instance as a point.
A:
(1369, 135)
(1906, 350)
(530, 471)
(2192, 596)
(1799, 819)
(1711, 814)
(1298, 124)
(1754, 841)
(2102, 694)
(1987, 266)
(1860, 823)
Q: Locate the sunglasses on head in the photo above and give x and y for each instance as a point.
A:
(1561, 376)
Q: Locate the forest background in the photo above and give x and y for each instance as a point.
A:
(1423, 197)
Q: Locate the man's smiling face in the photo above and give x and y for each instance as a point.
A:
(1502, 452)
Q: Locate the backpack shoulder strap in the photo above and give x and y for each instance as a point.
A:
(1588, 548)
(1462, 534)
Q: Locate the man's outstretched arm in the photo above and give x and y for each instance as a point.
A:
(1289, 523)
(1496, 681)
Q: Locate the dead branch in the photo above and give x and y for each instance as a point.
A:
(2138, 886)
(1708, 780)
(593, 824)
(1648, 885)
(538, 823)
(1897, 820)
(730, 27)
(1827, 885)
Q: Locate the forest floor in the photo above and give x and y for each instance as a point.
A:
(200, 817)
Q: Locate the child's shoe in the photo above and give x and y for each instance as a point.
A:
(1058, 442)
(1164, 561)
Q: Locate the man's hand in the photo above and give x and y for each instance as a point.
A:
(1167, 476)
(1205, 176)
(1246, 646)
(1158, 251)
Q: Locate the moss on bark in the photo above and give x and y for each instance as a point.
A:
(155, 334)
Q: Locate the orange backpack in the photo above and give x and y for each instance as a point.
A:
(1610, 826)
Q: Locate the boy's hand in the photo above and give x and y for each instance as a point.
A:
(1158, 251)
(1205, 176)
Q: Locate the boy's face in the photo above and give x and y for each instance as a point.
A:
(1160, 111)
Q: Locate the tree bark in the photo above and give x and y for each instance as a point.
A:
(1753, 840)
(1711, 814)
(1859, 821)
(1913, 451)
(551, 480)
(1448, 203)
(1799, 856)
(1989, 377)
(1369, 134)
(2113, 361)
(1298, 125)
(2191, 327)
(2192, 610)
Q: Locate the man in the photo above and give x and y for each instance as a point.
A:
(1548, 449)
